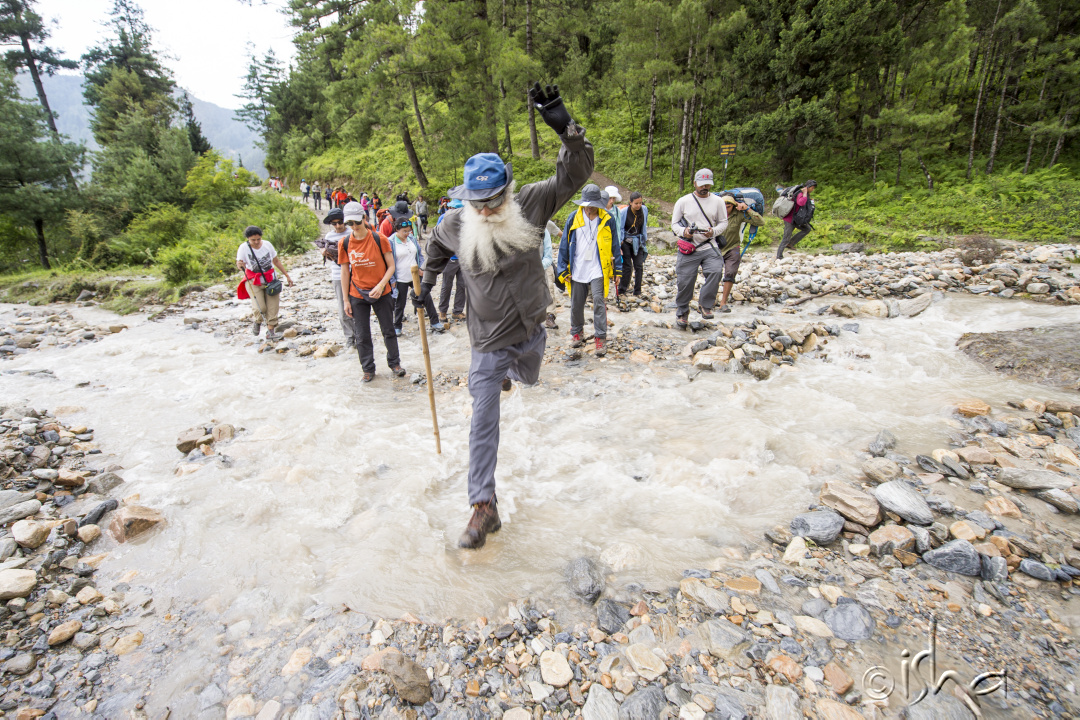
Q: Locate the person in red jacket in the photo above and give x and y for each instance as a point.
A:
(790, 240)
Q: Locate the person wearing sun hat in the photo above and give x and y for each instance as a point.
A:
(589, 258)
(497, 237)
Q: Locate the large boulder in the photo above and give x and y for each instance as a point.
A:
(131, 521)
(584, 578)
(1024, 479)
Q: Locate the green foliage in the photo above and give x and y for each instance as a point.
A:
(34, 171)
(180, 264)
(213, 184)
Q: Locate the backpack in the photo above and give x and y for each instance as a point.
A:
(804, 215)
(785, 203)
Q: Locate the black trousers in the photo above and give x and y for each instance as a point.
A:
(402, 302)
(632, 265)
(791, 238)
(384, 312)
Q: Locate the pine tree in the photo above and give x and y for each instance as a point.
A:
(199, 144)
(34, 165)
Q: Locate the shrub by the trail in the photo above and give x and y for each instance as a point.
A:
(180, 264)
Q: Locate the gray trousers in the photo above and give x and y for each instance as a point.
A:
(789, 240)
(449, 273)
(686, 269)
(579, 293)
(520, 362)
(346, 321)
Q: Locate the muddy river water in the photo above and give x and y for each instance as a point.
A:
(333, 492)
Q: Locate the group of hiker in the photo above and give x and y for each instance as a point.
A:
(497, 241)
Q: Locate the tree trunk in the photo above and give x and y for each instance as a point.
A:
(899, 164)
(683, 133)
(502, 90)
(926, 172)
(1061, 138)
(43, 252)
(533, 142)
(44, 100)
(418, 171)
(1000, 110)
(652, 128)
(975, 119)
(1038, 117)
(416, 109)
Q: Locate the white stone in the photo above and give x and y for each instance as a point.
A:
(645, 662)
(554, 669)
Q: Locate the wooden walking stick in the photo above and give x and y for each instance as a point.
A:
(427, 360)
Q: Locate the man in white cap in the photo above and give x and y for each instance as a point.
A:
(614, 197)
(697, 220)
(497, 237)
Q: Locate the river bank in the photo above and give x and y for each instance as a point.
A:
(294, 553)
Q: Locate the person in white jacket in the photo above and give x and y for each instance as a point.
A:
(698, 219)
(406, 254)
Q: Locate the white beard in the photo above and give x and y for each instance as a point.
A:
(484, 240)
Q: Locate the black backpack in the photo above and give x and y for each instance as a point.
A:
(804, 215)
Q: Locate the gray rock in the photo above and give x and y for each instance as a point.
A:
(85, 641)
(600, 704)
(983, 520)
(7, 548)
(901, 498)
(923, 543)
(1060, 499)
(815, 607)
(958, 556)
(880, 470)
(43, 689)
(584, 578)
(850, 621)
(914, 306)
(781, 703)
(103, 483)
(645, 704)
(611, 616)
(937, 706)
(767, 580)
(19, 511)
(994, 569)
(821, 526)
(13, 497)
(21, 664)
(761, 369)
(211, 695)
(1024, 479)
(676, 695)
(722, 637)
(1037, 570)
(954, 468)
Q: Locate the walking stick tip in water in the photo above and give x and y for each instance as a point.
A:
(427, 359)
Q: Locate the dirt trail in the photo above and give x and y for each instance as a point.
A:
(653, 202)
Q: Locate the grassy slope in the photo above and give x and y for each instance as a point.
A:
(851, 207)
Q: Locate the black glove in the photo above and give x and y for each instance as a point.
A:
(425, 294)
(550, 106)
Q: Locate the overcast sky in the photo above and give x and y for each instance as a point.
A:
(206, 39)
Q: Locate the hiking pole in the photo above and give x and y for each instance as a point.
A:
(427, 360)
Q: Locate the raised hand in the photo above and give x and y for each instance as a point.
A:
(550, 106)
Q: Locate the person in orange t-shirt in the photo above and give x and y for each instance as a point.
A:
(367, 270)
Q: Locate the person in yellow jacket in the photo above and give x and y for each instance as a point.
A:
(589, 258)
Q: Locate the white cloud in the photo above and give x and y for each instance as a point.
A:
(205, 39)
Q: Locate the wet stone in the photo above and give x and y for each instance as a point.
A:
(645, 704)
(1037, 570)
(899, 497)
(823, 527)
(957, 556)
(585, 579)
(611, 616)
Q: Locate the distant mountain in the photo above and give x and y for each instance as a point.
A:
(229, 137)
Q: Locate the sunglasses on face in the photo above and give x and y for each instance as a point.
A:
(354, 223)
(491, 203)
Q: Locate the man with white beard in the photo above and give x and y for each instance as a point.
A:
(497, 237)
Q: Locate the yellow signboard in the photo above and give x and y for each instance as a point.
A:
(727, 150)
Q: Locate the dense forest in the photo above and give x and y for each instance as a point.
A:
(157, 193)
(885, 83)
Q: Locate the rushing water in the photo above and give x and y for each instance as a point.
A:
(334, 491)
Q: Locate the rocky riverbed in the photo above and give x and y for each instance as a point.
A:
(966, 523)
(978, 538)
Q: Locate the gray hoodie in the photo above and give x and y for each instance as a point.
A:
(505, 307)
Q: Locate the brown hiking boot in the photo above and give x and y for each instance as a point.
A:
(484, 520)
(442, 318)
(550, 322)
(458, 317)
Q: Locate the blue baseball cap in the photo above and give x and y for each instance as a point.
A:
(485, 176)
